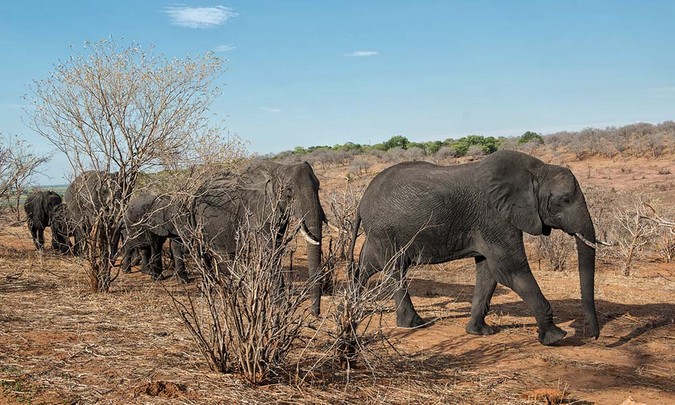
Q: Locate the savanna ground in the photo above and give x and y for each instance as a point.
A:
(60, 343)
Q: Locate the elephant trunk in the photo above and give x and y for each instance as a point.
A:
(586, 255)
(313, 222)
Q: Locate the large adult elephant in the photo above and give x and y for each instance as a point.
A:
(39, 207)
(148, 222)
(479, 210)
(90, 193)
(224, 201)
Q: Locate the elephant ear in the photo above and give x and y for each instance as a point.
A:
(511, 188)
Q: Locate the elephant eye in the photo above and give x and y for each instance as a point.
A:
(560, 201)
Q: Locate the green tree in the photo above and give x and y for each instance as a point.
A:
(397, 141)
(530, 136)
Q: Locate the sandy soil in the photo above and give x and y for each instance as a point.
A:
(62, 344)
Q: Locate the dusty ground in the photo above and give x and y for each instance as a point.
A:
(62, 344)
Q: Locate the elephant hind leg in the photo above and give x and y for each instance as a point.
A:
(37, 236)
(176, 249)
(371, 261)
(480, 305)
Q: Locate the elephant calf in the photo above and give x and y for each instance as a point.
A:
(421, 213)
(148, 222)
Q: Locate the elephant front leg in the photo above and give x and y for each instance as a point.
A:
(480, 305)
(524, 284)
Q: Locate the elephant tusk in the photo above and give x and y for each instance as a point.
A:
(590, 244)
(307, 237)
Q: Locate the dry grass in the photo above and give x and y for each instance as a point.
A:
(62, 344)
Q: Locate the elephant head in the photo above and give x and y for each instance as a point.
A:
(535, 197)
(298, 187)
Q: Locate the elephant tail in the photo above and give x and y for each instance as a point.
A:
(352, 244)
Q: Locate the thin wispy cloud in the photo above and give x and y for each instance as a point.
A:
(224, 48)
(362, 53)
(199, 17)
(272, 110)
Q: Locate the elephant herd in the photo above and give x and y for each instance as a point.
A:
(412, 213)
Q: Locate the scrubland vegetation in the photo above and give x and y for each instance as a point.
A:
(244, 334)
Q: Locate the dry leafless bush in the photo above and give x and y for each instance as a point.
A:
(249, 313)
(121, 110)
(353, 324)
(342, 206)
(600, 203)
(665, 232)
(359, 167)
(632, 233)
(556, 249)
(17, 164)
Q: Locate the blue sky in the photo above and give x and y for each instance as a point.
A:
(326, 72)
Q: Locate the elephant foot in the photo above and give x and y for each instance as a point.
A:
(409, 320)
(551, 336)
(316, 309)
(479, 328)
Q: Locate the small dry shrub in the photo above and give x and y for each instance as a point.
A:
(556, 249)
(249, 312)
(632, 232)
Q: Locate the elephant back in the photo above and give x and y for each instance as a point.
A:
(217, 208)
(89, 193)
(153, 213)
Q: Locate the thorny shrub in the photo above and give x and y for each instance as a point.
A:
(248, 314)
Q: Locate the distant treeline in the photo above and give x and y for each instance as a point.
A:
(641, 139)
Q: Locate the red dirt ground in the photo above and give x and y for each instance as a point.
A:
(62, 344)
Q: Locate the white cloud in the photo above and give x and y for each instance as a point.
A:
(272, 110)
(224, 48)
(199, 17)
(362, 53)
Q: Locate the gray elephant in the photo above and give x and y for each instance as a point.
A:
(476, 210)
(89, 193)
(148, 222)
(39, 207)
(221, 203)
